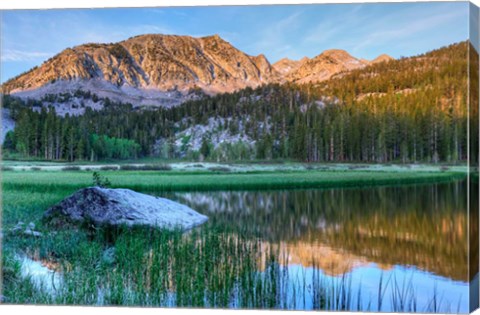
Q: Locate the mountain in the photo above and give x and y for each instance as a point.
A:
(324, 66)
(285, 66)
(147, 68)
(382, 58)
(165, 70)
(397, 111)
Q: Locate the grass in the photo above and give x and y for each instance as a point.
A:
(214, 266)
(205, 181)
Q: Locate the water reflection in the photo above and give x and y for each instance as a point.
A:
(423, 226)
(415, 232)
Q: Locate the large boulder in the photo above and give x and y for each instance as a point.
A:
(104, 206)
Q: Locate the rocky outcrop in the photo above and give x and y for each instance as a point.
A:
(113, 207)
(324, 66)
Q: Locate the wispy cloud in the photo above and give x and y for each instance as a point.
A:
(414, 26)
(18, 55)
(69, 28)
(293, 31)
(275, 36)
(331, 28)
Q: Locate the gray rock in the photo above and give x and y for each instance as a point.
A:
(29, 230)
(32, 233)
(103, 206)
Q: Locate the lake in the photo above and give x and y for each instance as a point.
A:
(398, 248)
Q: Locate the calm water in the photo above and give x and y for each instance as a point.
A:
(412, 238)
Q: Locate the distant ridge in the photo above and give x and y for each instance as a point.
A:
(163, 70)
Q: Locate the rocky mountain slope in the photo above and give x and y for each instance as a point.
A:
(166, 69)
(381, 58)
(147, 68)
(340, 119)
(325, 65)
(285, 66)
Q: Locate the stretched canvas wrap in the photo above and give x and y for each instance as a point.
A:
(282, 157)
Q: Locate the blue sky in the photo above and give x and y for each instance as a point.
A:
(365, 30)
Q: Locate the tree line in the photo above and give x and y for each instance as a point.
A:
(408, 110)
(44, 134)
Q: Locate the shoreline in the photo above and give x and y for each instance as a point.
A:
(158, 181)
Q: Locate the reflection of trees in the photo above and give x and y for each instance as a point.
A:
(436, 245)
(474, 157)
(422, 225)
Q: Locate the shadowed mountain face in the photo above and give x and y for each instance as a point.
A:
(162, 69)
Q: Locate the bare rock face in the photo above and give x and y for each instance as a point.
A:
(163, 70)
(285, 66)
(155, 61)
(113, 207)
(324, 66)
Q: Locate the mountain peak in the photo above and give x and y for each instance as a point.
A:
(148, 64)
(382, 58)
(336, 54)
(330, 52)
(214, 37)
(324, 66)
(286, 59)
(285, 65)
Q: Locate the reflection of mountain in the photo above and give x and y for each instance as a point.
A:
(423, 226)
(433, 244)
(333, 262)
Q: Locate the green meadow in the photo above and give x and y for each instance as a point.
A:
(212, 266)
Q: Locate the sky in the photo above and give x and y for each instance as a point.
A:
(29, 37)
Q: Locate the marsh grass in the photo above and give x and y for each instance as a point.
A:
(210, 267)
(209, 181)
(213, 266)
